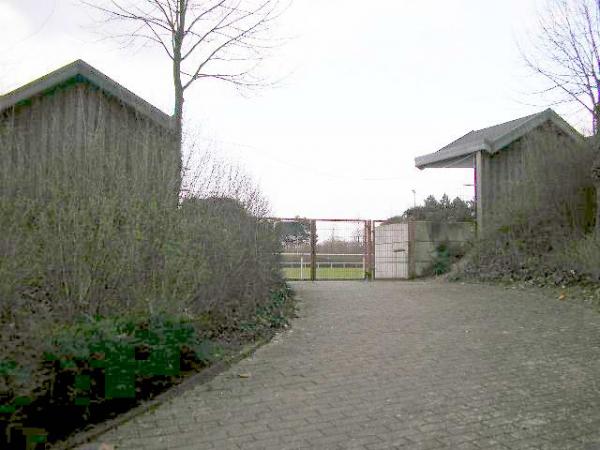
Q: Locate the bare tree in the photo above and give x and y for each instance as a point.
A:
(222, 40)
(566, 54)
(213, 176)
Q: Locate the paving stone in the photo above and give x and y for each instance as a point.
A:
(411, 365)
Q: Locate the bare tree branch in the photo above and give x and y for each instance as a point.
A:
(566, 54)
(225, 40)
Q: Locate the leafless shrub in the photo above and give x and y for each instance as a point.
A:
(556, 180)
(85, 234)
(550, 207)
(208, 175)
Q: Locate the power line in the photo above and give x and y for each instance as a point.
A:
(38, 30)
(316, 172)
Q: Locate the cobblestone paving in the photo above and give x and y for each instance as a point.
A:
(419, 365)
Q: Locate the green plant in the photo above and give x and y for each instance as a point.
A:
(446, 255)
(128, 347)
(272, 315)
(441, 263)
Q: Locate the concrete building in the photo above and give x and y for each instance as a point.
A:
(496, 155)
(80, 116)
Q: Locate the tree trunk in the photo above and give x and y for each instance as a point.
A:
(178, 120)
(178, 109)
(596, 179)
(596, 165)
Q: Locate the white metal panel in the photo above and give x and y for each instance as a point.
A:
(391, 251)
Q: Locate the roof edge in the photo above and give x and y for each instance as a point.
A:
(94, 76)
(545, 116)
(427, 161)
(436, 159)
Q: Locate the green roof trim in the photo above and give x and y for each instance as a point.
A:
(81, 72)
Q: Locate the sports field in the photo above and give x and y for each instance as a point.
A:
(325, 273)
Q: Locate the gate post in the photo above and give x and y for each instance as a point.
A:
(412, 241)
(369, 250)
(372, 254)
(313, 250)
(365, 250)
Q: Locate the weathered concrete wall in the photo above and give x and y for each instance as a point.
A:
(426, 236)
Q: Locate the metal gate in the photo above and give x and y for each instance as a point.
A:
(392, 251)
(325, 249)
(343, 249)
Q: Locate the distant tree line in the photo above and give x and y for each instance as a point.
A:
(442, 210)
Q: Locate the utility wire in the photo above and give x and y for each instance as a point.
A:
(320, 173)
(37, 31)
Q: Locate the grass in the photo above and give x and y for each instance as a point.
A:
(325, 273)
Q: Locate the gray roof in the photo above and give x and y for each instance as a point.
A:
(492, 139)
(83, 72)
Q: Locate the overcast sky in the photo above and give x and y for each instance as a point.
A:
(369, 86)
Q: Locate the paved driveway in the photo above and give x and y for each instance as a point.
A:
(421, 365)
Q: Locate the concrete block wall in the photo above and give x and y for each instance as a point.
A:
(426, 236)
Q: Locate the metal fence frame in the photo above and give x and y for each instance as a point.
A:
(414, 245)
(368, 236)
